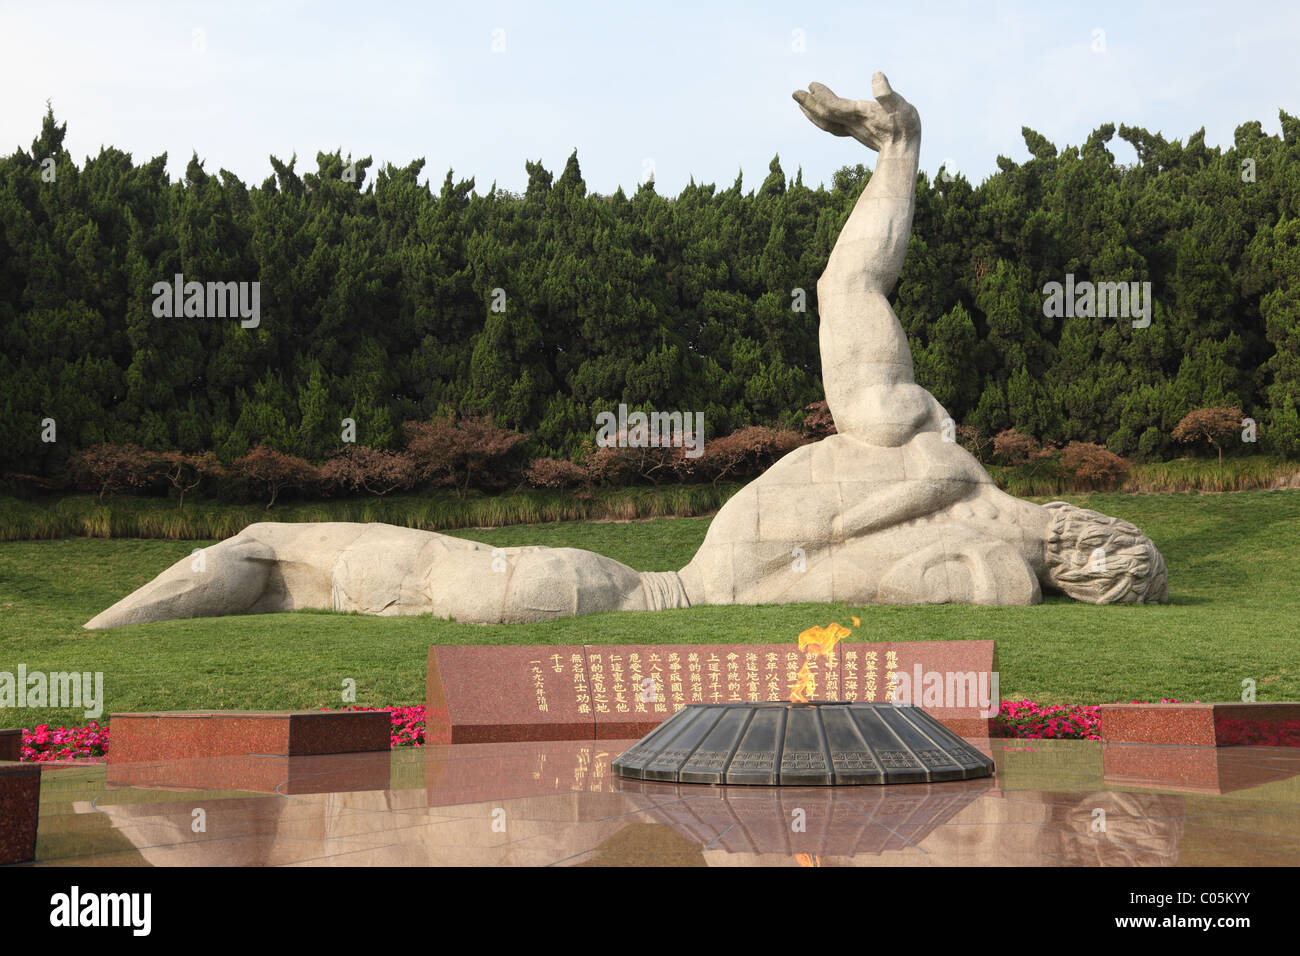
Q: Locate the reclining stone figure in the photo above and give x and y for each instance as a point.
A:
(886, 511)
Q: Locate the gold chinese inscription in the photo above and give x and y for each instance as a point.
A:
(617, 683)
(891, 667)
(652, 684)
(581, 691)
(599, 691)
(539, 685)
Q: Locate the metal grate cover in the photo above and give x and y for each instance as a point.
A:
(814, 744)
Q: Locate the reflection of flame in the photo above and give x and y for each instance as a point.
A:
(808, 859)
(819, 642)
(802, 687)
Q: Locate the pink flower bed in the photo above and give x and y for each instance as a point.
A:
(1028, 720)
(64, 743)
(71, 743)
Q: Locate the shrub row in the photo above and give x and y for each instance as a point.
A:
(1085, 466)
(464, 455)
(467, 455)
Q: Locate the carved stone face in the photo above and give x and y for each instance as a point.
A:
(1103, 560)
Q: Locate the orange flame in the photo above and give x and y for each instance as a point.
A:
(819, 642)
(808, 859)
(822, 640)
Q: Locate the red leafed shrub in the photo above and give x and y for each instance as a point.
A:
(1217, 426)
(358, 468)
(275, 471)
(743, 453)
(974, 441)
(554, 473)
(1092, 467)
(1015, 448)
(113, 468)
(186, 471)
(609, 465)
(619, 464)
(465, 453)
(819, 422)
(28, 482)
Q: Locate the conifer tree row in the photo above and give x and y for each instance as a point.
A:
(383, 300)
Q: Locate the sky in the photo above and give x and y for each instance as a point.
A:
(677, 90)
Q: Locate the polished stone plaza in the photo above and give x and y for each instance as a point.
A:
(1067, 803)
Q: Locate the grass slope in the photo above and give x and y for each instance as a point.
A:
(1234, 576)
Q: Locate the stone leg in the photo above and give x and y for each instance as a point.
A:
(227, 578)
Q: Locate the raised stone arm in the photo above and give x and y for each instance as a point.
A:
(866, 360)
(873, 243)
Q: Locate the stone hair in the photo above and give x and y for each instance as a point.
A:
(1132, 572)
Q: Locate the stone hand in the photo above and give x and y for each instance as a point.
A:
(887, 119)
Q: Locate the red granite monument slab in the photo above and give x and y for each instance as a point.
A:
(11, 745)
(954, 681)
(492, 693)
(636, 687)
(20, 800)
(1203, 725)
(188, 734)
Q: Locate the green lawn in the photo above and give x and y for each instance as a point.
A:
(1235, 614)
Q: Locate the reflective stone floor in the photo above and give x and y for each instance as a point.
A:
(1067, 803)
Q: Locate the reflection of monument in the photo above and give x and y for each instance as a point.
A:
(860, 823)
(890, 510)
(536, 804)
(943, 826)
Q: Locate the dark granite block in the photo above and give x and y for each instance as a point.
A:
(11, 745)
(20, 799)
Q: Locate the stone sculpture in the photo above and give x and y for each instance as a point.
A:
(890, 510)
